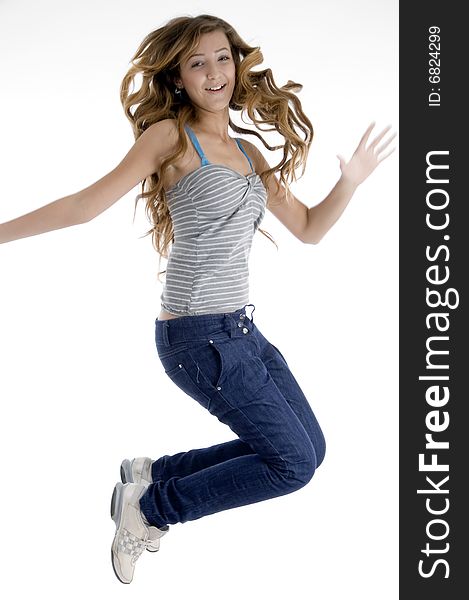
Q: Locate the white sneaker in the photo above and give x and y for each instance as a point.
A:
(132, 531)
(138, 470)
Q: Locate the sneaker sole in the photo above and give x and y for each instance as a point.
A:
(114, 502)
(116, 506)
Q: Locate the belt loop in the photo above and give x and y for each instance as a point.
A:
(165, 333)
(230, 324)
(234, 326)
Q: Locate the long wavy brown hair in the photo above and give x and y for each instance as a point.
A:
(256, 94)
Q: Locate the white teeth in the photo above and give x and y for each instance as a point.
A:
(217, 88)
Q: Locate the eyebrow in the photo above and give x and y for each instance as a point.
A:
(192, 55)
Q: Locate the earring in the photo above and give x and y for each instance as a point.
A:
(178, 91)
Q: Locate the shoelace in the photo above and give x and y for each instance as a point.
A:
(128, 543)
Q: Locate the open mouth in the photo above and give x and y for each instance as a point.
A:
(216, 89)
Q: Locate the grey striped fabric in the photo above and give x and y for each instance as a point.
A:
(215, 212)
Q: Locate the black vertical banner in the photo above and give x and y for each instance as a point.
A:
(434, 267)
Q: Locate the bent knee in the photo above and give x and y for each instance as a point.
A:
(320, 451)
(301, 472)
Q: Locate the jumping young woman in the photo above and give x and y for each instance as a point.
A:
(206, 195)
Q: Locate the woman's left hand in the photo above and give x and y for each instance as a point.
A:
(365, 160)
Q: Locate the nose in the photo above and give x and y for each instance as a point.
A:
(213, 70)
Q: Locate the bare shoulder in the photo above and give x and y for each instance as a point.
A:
(164, 136)
(165, 126)
(142, 160)
(152, 146)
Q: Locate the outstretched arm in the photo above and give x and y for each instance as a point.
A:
(142, 160)
(311, 224)
(363, 162)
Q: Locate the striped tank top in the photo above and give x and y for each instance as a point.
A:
(215, 212)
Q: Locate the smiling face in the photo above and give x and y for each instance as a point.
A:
(210, 66)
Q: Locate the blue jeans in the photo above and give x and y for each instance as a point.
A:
(225, 363)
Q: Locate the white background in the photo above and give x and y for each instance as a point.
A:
(81, 384)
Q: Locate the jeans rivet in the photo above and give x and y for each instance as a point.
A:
(218, 387)
(211, 341)
(245, 329)
(180, 366)
(240, 324)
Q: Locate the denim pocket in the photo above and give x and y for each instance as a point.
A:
(181, 376)
(210, 362)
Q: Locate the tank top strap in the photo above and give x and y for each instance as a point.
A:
(197, 146)
(238, 141)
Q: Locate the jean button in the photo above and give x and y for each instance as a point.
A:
(245, 329)
(241, 316)
(240, 324)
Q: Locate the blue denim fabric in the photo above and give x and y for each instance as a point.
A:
(225, 363)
